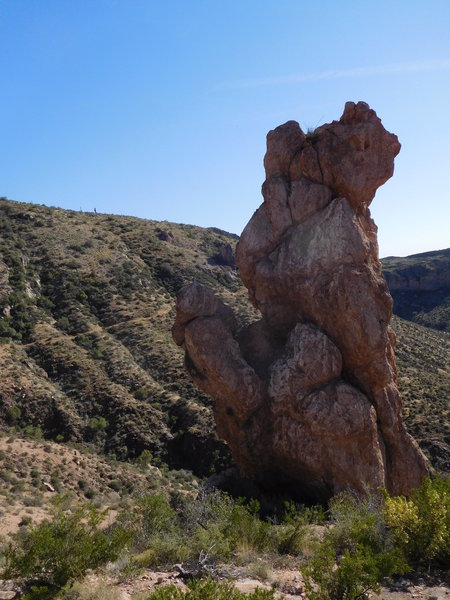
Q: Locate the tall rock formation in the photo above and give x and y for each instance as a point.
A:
(307, 397)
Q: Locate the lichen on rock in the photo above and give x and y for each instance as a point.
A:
(307, 397)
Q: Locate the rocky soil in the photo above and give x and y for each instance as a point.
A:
(287, 583)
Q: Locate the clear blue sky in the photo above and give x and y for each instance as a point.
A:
(160, 108)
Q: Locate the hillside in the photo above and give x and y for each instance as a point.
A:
(86, 355)
(420, 287)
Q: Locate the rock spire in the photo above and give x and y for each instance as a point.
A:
(307, 396)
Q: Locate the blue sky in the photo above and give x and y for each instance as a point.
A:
(160, 109)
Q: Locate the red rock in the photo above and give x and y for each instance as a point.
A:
(356, 153)
(282, 145)
(307, 198)
(308, 397)
(197, 301)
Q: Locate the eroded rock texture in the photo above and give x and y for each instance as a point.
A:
(307, 397)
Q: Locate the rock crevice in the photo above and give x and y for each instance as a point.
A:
(307, 397)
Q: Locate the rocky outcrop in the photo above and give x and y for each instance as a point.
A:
(307, 397)
(425, 272)
(224, 256)
(163, 235)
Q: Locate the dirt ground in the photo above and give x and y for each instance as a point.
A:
(288, 585)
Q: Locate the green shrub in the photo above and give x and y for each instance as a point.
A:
(163, 550)
(45, 303)
(221, 526)
(357, 553)
(208, 590)
(156, 531)
(115, 485)
(63, 549)
(6, 329)
(39, 592)
(352, 574)
(372, 540)
(246, 530)
(25, 521)
(22, 314)
(290, 534)
(421, 525)
(155, 515)
(13, 413)
(33, 432)
(141, 394)
(207, 522)
(63, 323)
(96, 428)
(144, 459)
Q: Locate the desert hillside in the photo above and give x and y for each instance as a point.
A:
(86, 354)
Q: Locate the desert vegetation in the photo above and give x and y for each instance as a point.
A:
(343, 553)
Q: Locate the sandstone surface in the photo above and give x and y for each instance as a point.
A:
(307, 397)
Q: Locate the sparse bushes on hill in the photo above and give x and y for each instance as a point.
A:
(19, 323)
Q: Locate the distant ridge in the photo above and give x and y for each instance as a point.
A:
(420, 287)
(431, 253)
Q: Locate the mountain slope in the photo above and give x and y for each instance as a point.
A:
(423, 363)
(87, 304)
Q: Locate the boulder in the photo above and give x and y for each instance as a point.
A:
(307, 397)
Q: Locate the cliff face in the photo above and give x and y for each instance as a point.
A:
(420, 287)
(428, 271)
(307, 396)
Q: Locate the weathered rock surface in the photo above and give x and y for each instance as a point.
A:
(307, 397)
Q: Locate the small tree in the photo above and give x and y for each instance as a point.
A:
(62, 549)
(357, 553)
(420, 525)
